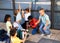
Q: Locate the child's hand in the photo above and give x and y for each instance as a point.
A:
(22, 12)
(35, 23)
(44, 28)
(29, 26)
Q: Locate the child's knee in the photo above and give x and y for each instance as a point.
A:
(47, 32)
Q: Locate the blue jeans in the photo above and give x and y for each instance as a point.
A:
(47, 31)
(34, 31)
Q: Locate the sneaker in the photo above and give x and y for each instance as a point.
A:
(48, 36)
(42, 34)
(27, 30)
(22, 29)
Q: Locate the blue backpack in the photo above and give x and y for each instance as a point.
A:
(4, 36)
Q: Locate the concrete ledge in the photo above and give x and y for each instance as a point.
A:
(3, 26)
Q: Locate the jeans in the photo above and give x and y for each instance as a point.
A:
(20, 33)
(47, 31)
(34, 31)
(20, 27)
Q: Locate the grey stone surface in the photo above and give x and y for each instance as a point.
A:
(55, 37)
(3, 26)
(29, 41)
(43, 40)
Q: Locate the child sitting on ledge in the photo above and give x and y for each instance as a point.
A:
(14, 38)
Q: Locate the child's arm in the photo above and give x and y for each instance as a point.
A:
(46, 24)
(10, 27)
(19, 7)
(23, 14)
(37, 22)
(30, 7)
(23, 39)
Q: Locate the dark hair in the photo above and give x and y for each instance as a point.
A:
(12, 32)
(42, 9)
(6, 17)
(27, 9)
(30, 17)
(18, 9)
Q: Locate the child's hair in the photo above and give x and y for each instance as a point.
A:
(18, 9)
(30, 17)
(27, 9)
(12, 32)
(42, 9)
(6, 17)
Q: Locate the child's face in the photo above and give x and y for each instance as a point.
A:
(29, 20)
(17, 10)
(41, 12)
(26, 11)
(9, 19)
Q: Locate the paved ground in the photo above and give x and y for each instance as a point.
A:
(55, 37)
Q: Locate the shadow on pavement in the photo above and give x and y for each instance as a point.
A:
(29, 41)
(44, 40)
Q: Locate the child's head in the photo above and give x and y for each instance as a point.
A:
(30, 18)
(18, 10)
(13, 32)
(42, 11)
(27, 10)
(7, 18)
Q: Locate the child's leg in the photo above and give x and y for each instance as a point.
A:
(24, 25)
(20, 27)
(47, 31)
(34, 31)
(41, 28)
(19, 34)
(22, 35)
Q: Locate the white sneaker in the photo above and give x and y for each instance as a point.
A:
(48, 36)
(42, 34)
(27, 30)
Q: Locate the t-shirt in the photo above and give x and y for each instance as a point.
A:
(32, 23)
(8, 24)
(15, 40)
(44, 18)
(26, 16)
(19, 27)
(15, 24)
(18, 17)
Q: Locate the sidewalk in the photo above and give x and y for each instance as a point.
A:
(55, 38)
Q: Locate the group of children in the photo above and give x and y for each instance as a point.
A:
(14, 30)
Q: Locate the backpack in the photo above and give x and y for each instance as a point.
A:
(4, 36)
